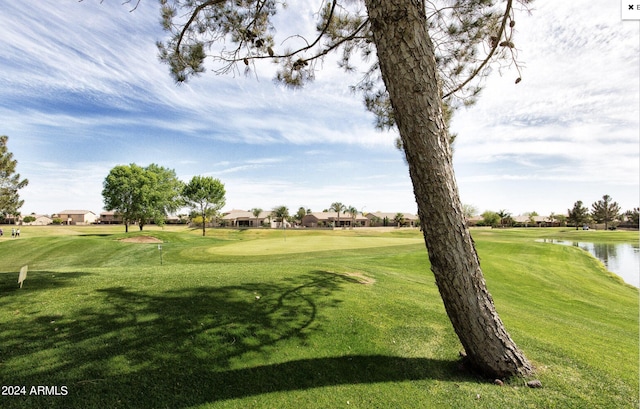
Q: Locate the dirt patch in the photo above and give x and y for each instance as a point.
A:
(141, 239)
(361, 278)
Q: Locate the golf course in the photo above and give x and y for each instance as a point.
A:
(266, 318)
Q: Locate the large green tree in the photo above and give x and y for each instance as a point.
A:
(10, 181)
(490, 218)
(605, 211)
(121, 192)
(578, 214)
(428, 54)
(164, 194)
(206, 195)
(140, 195)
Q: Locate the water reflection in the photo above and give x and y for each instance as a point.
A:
(622, 259)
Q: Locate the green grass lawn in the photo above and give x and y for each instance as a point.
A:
(327, 319)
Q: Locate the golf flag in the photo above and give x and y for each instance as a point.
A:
(23, 275)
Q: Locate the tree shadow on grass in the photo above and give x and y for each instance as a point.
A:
(184, 347)
(36, 281)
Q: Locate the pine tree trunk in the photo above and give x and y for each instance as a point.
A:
(408, 66)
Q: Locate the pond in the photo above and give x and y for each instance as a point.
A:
(622, 259)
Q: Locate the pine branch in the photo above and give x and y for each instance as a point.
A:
(192, 18)
(494, 47)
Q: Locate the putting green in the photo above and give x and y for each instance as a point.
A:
(306, 244)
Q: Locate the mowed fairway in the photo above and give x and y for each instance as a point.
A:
(290, 319)
(297, 243)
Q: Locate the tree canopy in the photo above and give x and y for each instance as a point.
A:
(281, 214)
(467, 35)
(10, 181)
(605, 211)
(578, 214)
(490, 218)
(633, 216)
(140, 195)
(205, 194)
(300, 214)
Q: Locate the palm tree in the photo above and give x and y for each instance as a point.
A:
(256, 213)
(280, 213)
(354, 214)
(398, 219)
(503, 215)
(337, 207)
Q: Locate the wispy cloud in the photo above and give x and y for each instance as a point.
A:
(82, 90)
(574, 118)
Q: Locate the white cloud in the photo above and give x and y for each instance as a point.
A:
(54, 186)
(81, 85)
(572, 120)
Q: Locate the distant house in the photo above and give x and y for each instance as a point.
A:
(244, 218)
(110, 218)
(533, 221)
(519, 221)
(331, 219)
(41, 220)
(77, 217)
(177, 219)
(474, 220)
(10, 219)
(387, 219)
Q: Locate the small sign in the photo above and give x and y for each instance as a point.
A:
(630, 9)
(23, 275)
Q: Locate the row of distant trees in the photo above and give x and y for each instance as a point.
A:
(353, 212)
(141, 195)
(281, 214)
(604, 211)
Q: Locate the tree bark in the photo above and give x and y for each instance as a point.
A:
(204, 221)
(408, 67)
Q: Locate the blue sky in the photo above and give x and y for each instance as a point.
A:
(81, 90)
